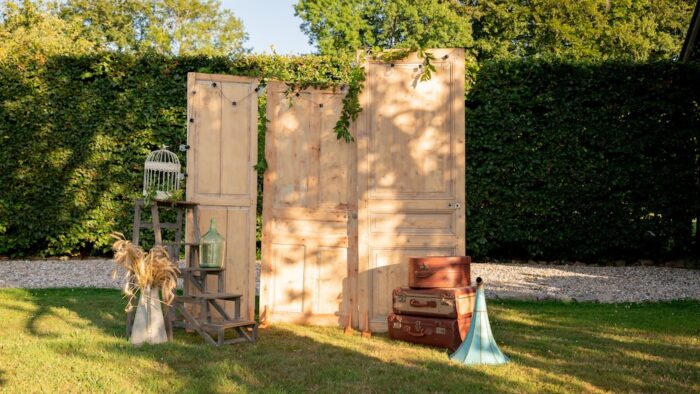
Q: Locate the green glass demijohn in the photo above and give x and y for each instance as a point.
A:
(212, 244)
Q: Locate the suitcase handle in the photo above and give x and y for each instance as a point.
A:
(427, 304)
(417, 334)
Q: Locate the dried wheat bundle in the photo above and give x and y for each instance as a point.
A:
(144, 270)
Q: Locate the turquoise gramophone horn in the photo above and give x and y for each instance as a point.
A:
(479, 347)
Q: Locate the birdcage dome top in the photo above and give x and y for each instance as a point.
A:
(162, 160)
(161, 175)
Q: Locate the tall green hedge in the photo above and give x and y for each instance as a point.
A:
(576, 161)
(74, 133)
(583, 161)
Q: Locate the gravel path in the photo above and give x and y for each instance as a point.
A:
(57, 273)
(588, 283)
(530, 282)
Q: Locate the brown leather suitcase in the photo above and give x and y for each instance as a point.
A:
(429, 331)
(439, 271)
(447, 302)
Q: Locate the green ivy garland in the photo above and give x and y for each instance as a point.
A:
(351, 105)
(351, 102)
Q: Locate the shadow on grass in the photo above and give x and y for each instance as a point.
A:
(553, 347)
(606, 352)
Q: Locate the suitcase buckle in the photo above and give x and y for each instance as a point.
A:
(446, 299)
(440, 330)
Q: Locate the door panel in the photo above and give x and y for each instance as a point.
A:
(288, 262)
(223, 149)
(410, 173)
(309, 201)
(331, 269)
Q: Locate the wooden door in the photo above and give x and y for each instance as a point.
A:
(410, 173)
(309, 210)
(222, 135)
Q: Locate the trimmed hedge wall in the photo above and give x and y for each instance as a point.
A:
(575, 161)
(74, 133)
(583, 161)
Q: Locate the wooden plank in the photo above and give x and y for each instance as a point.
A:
(459, 146)
(207, 145)
(178, 236)
(352, 254)
(307, 209)
(170, 226)
(410, 173)
(221, 178)
(330, 296)
(225, 78)
(236, 137)
(136, 230)
(288, 288)
(155, 219)
(322, 214)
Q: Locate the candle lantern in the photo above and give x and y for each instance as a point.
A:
(212, 248)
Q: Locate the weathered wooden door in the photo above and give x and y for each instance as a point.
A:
(410, 173)
(222, 135)
(309, 242)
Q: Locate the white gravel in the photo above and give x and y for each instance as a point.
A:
(56, 273)
(519, 281)
(588, 283)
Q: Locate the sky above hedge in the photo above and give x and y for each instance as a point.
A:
(270, 23)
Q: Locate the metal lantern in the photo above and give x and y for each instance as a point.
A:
(161, 174)
(212, 244)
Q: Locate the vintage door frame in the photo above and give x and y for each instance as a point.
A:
(236, 206)
(447, 60)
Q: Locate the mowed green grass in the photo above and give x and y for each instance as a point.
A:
(70, 340)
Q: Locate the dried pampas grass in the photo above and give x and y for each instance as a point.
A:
(144, 270)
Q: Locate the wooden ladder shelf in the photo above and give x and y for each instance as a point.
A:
(194, 309)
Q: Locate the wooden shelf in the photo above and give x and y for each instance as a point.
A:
(218, 296)
(198, 269)
(228, 324)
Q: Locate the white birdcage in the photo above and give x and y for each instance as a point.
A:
(161, 174)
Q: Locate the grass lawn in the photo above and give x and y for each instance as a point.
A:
(71, 340)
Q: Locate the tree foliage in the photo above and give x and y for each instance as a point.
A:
(637, 30)
(194, 28)
(575, 29)
(35, 28)
(28, 30)
(345, 26)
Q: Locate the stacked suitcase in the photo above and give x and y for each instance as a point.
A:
(436, 308)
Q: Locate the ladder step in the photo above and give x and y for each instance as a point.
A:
(172, 226)
(176, 204)
(218, 296)
(229, 324)
(207, 296)
(195, 270)
(187, 299)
